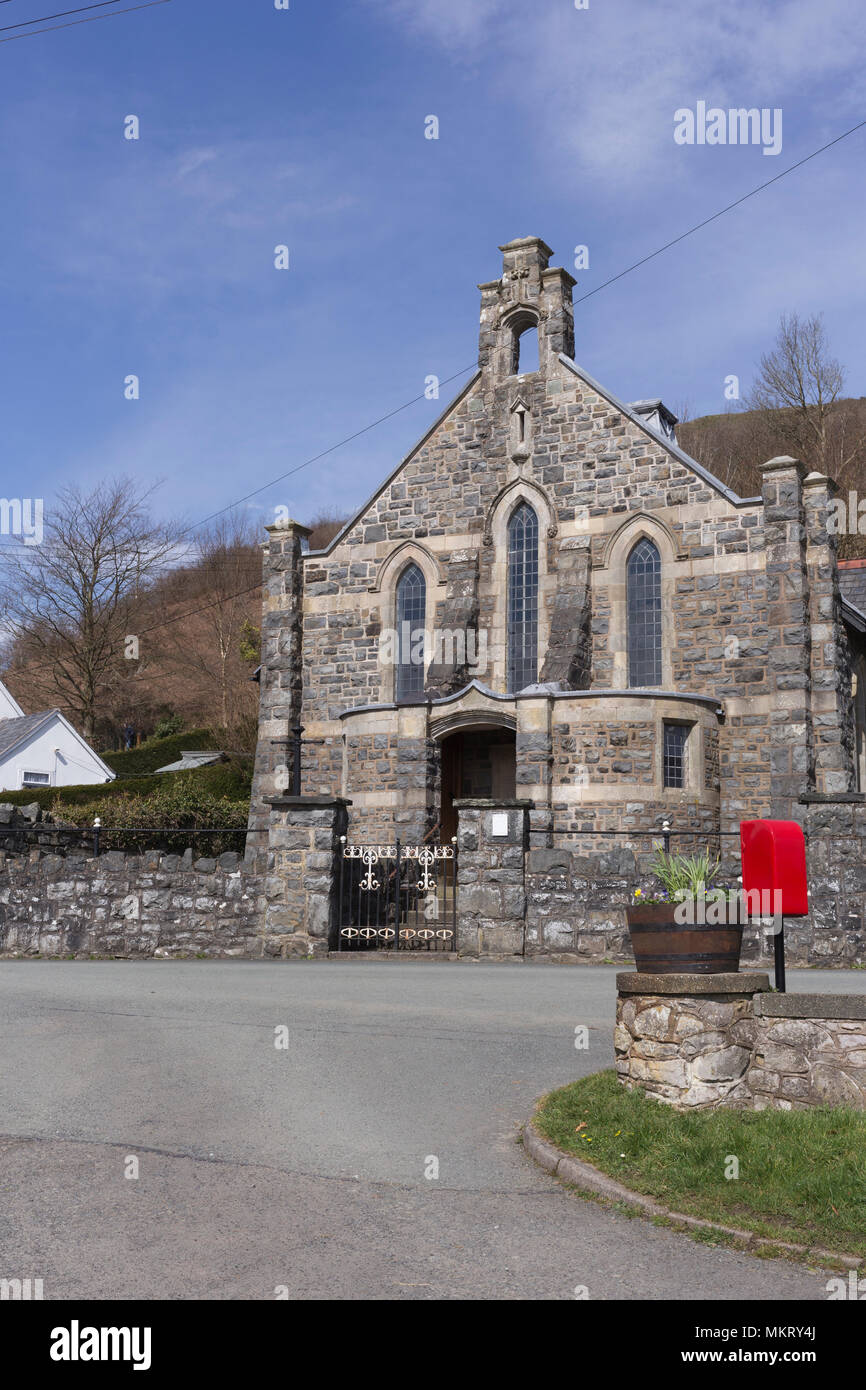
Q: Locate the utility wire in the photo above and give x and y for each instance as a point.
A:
(315, 458)
(72, 23)
(707, 220)
(25, 23)
(29, 669)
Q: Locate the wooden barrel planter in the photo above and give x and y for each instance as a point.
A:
(663, 946)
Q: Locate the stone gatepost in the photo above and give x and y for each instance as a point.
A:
(492, 841)
(302, 882)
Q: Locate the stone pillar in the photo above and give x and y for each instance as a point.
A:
(456, 662)
(281, 678)
(492, 840)
(687, 1039)
(303, 874)
(414, 775)
(533, 753)
(569, 649)
(830, 664)
(789, 661)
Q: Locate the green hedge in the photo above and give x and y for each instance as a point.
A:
(209, 798)
(230, 781)
(179, 804)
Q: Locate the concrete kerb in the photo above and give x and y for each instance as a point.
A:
(592, 1181)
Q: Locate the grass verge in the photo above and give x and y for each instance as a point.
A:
(802, 1174)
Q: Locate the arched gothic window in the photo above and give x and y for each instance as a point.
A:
(644, 590)
(522, 598)
(411, 612)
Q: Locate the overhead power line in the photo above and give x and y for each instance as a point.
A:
(330, 450)
(27, 23)
(72, 23)
(707, 220)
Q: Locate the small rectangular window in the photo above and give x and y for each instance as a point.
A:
(676, 737)
(36, 779)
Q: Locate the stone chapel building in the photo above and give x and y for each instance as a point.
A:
(612, 633)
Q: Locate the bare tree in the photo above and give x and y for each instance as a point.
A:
(799, 385)
(220, 593)
(70, 602)
(325, 525)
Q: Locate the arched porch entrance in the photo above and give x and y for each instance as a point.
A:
(477, 760)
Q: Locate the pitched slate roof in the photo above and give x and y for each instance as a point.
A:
(15, 731)
(852, 582)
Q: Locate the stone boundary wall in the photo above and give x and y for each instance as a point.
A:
(156, 904)
(129, 905)
(705, 1041)
(576, 903)
(23, 828)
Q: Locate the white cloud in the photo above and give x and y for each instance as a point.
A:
(452, 23)
(601, 85)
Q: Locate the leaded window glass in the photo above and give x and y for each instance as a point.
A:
(676, 736)
(411, 612)
(644, 590)
(522, 598)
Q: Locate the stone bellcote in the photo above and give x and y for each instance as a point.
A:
(530, 296)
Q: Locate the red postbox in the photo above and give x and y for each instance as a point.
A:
(773, 854)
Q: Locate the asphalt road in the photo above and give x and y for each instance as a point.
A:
(304, 1167)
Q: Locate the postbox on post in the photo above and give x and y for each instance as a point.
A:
(773, 854)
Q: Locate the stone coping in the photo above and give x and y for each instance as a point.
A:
(739, 982)
(313, 801)
(486, 803)
(811, 1006)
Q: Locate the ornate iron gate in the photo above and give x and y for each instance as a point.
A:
(398, 897)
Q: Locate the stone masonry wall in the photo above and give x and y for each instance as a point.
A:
(701, 1042)
(129, 905)
(577, 894)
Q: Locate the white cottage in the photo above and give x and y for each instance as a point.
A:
(44, 750)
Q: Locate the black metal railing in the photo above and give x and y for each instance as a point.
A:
(100, 839)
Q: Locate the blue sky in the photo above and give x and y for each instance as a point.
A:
(261, 127)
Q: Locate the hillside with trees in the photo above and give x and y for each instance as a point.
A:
(135, 628)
